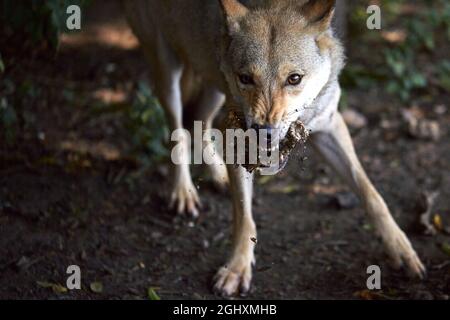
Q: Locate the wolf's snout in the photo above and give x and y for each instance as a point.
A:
(268, 128)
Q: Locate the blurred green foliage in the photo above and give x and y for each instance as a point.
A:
(2, 64)
(16, 111)
(408, 65)
(443, 73)
(8, 120)
(37, 20)
(146, 123)
(31, 23)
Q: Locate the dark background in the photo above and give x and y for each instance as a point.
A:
(84, 174)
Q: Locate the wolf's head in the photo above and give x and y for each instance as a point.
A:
(278, 58)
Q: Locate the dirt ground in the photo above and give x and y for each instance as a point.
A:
(70, 194)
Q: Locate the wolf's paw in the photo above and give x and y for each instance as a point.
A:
(402, 253)
(184, 199)
(231, 280)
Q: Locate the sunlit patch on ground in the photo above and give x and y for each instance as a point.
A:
(112, 35)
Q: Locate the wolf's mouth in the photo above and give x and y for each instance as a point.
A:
(297, 133)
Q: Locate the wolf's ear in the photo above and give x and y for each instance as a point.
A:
(318, 13)
(233, 11)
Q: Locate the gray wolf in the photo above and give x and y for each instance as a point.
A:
(278, 61)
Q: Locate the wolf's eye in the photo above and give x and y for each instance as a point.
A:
(246, 79)
(294, 79)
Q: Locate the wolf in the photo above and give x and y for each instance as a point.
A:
(277, 61)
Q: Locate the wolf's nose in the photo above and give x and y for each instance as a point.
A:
(268, 129)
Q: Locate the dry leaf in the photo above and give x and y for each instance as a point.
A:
(437, 221)
(56, 287)
(96, 287)
(152, 295)
(368, 295)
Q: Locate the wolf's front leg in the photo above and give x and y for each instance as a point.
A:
(336, 146)
(183, 197)
(235, 276)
